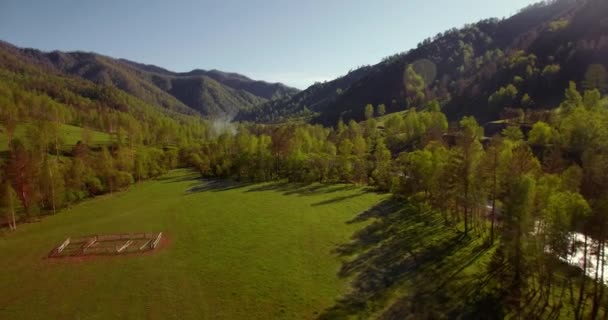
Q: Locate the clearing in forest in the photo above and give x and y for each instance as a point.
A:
(259, 251)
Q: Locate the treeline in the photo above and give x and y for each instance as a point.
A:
(34, 181)
(527, 195)
(39, 173)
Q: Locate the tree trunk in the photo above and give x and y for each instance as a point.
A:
(466, 208)
(52, 185)
(597, 284)
(581, 294)
(601, 297)
(12, 208)
(492, 220)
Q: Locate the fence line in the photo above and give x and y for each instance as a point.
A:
(102, 244)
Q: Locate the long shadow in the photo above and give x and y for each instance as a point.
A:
(338, 199)
(406, 264)
(215, 185)
(303, 189)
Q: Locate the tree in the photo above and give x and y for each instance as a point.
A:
(381, 110)
(434, 106)
(414, 86)
(8, 201)
(596, 77)
(382, 166)
(492, 169)
(562, 209)
(76, 177)
(573, 98)
(8, 117)
(515, 232)
(513, 133)
(527, 102)
(550, 71)
(105, 168)
(51, 184)
(542, 134)
(592, 99)
(369, 111)
(465, 161)
(581, 211)
(504, 97)
(22, 171)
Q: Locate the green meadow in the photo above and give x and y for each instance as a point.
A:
(70, 135)
(261, 251)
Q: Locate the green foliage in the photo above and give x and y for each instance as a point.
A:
(434, 106)
(558, 25)
(369, 111)
(596, 77)
(447, 180)
(542, 134)
(551, 70)
(504, 97)
(573, 98)
(513, 134)
(527, 102)
(414, 86)
(381, 110)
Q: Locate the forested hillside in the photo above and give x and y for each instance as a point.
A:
(140, 140)
(524, 61)
(210, 93)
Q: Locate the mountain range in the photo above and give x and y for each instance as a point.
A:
(211, 93)
(483, 69)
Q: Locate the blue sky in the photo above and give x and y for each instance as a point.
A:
(295, 42)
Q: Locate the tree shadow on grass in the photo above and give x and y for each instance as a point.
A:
(407, 264)
(305, 189)
(215, 185)
(283, 187)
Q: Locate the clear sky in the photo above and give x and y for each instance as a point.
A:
(296, 42)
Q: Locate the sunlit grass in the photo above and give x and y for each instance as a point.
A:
(262, 251)
(70, 135)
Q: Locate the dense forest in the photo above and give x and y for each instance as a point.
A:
(211, 93)
(533, 54)
(415, 125)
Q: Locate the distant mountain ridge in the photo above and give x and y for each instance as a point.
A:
(482, 69)
(211, 93)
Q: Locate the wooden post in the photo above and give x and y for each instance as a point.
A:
(124, 246)
(63, 245)
(89, 243)
(145, 245)
(157, 241)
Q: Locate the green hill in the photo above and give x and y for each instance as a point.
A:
(537, 51)
(210, 93)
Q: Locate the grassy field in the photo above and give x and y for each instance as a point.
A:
(264, 251)
(259, 251)
(69, 134)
